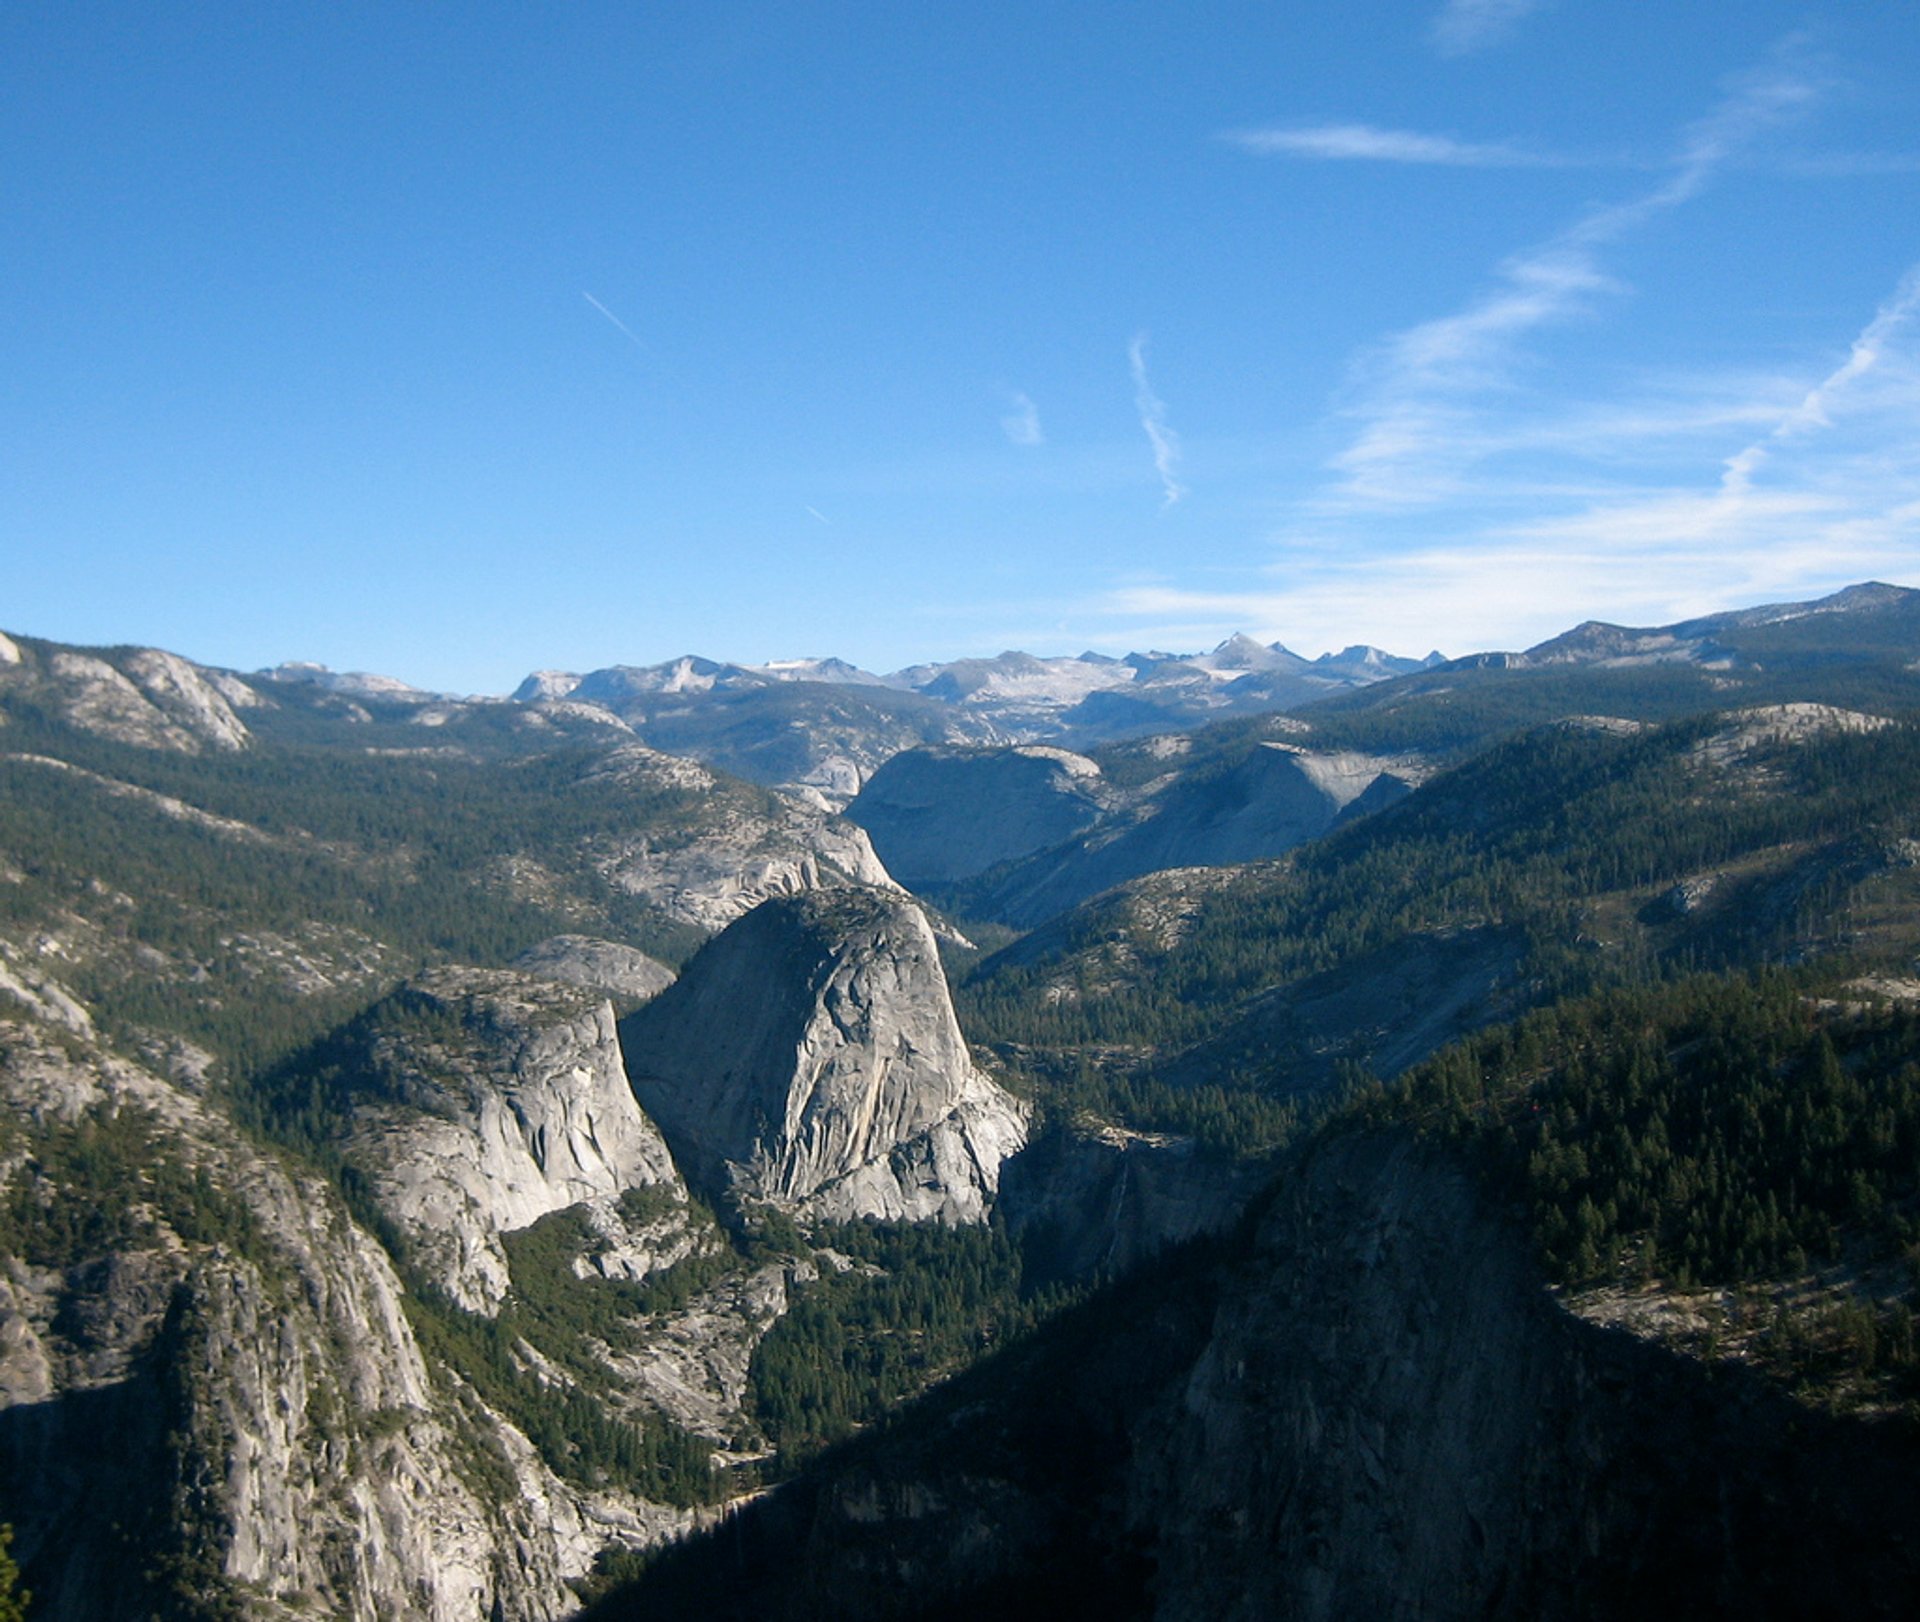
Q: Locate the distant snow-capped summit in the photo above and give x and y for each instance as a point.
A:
(352, 683)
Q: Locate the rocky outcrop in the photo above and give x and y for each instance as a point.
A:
(1769, 728)
(546, 687)
(209, 1385)
(604, 966)
(24, 983)
(145, 697)
(749, 848)
(355, 683)
(809, 1057)
(483, 1101)
(718, 879)
(936, 815)
(694, 1365)
(187, 697)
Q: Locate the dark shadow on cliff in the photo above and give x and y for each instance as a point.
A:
(990, 1496)
(1366, 1403)
(92, 1484)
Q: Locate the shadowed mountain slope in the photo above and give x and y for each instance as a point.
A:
(1366, 1406)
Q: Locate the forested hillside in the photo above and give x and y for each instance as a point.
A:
(425, 1248)
(1604, 850)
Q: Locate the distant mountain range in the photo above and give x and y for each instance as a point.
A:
(1240, 675)
(826, 725)
(1014, 689)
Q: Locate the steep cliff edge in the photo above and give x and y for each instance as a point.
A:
(1367, 1405)
(1277, 797)
(809, 1057)
(943, 814)
(483, 1100)
(212, 1399)
(1090, 1198)
(1391, 1405)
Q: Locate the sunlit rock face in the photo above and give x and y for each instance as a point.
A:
(492, 1099)
(597, 965)
(809, 1057)
(230, 1402)
(144, 697)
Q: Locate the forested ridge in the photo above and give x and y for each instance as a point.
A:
(1671, 943)
(1755, 1132)
(221, 911)
(1537, 834)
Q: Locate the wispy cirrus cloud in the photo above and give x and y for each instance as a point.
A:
(1466, 26)
(1663, 557)
(1417, 392)
(1153, 422)
(1021, 424)
(1371, 144)
(1477, 504)
(1828, 493)
(1814, 409)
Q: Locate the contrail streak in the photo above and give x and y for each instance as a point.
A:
(613, 318)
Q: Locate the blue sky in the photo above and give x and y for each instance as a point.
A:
(455, 341)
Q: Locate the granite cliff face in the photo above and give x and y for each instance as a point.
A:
(1278, 796)
(1391, 1411)
(139, 696)
(211, 1393)
(809, 1057)
(489, 1100)
(943, 814)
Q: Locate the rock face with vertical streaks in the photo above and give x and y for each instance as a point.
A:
(809, 1057)
(140, 696)
(211, 1392)
(484, 1100)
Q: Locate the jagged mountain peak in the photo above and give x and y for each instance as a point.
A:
(1240, 653)
(836, 672)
